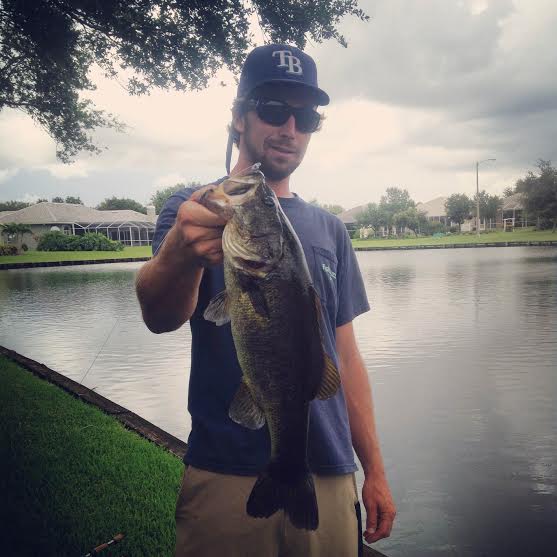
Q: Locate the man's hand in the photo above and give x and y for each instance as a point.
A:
(380, 508)
(200, 231)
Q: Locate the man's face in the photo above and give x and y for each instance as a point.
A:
(279, 149)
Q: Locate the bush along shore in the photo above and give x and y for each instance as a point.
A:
(72, 477)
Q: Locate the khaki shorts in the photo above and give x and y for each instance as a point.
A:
(211, 520)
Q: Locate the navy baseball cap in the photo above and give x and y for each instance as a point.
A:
(280, 63)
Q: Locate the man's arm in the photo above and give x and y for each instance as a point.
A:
(376, 494)
(167, 286)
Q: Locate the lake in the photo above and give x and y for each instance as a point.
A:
(461, 348)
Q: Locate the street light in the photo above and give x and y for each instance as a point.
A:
(478, 196)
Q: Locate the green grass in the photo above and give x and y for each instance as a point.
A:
(489, 237)
(40, 256)
(71, 477)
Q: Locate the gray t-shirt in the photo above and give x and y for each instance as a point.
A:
(218, 444)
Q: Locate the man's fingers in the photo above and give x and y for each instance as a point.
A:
(383, 530)
(371, 522)
(193, 213)
(209, 251)
(196, 234)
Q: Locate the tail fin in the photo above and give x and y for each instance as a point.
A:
(269, 494)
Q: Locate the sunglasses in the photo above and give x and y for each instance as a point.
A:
(277, 113)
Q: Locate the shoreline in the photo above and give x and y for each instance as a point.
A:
(129, 419)
(69, 262)
(126, 417)
(537, 243)
(534, 243)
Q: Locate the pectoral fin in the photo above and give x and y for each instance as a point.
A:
(218, 309)
(244, 410)
(330, 381)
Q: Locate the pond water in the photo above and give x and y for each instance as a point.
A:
(462, 356)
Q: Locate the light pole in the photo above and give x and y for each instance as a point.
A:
(478, 195)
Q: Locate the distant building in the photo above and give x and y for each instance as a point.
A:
(349, 218)
(435, 210)
(129, 227)
(512, 212)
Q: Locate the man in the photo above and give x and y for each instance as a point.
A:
(273, 118)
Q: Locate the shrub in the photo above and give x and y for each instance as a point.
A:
(434, 227)
(8, 250)
(98, 242)
(57, 241)
(24, 247)
(53, 241)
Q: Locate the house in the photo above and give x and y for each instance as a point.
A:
(435, 210)
(129, 227)
(349, 218)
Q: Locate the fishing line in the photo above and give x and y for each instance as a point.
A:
(100, 350)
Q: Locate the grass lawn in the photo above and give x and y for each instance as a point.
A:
(37, 256)
(489, 237)
(71, 477)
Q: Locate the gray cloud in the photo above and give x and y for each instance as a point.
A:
(425, 89)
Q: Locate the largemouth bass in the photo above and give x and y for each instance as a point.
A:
(274, 313)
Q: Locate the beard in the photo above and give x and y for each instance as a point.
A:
(272, 169)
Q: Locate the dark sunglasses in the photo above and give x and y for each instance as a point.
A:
(277, 113)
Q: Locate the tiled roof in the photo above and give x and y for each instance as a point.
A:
(53, 213)
(433, 208)
(349, 217)
(513, 202)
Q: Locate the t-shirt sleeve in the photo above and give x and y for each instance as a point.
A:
(352, 297)
(167, 217)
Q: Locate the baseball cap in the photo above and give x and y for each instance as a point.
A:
(277, 63)
(280, 63)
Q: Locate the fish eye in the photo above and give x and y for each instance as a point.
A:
(237, 189)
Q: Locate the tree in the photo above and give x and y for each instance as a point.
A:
(539, 193)
(458, 207)
(158, 199)
(492, 206)
(373, 215)
(508, 191)
(15, 229)
(395, 201)
(41, 200)
(113, 203)
(12, 205)
(331, 208)
(489, 205)
(57, 200)
(47, 48)
(410, 218)
(73, 200)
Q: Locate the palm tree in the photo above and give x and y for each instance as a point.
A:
(15, 229)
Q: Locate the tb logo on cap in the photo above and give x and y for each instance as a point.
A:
(288, 61)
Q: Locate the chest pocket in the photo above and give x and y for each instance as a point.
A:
(324, 267)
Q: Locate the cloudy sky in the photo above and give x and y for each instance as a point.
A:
(424, 90)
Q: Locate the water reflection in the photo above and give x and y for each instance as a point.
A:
(461, 350)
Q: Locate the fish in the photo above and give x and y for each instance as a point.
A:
(275, 318)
